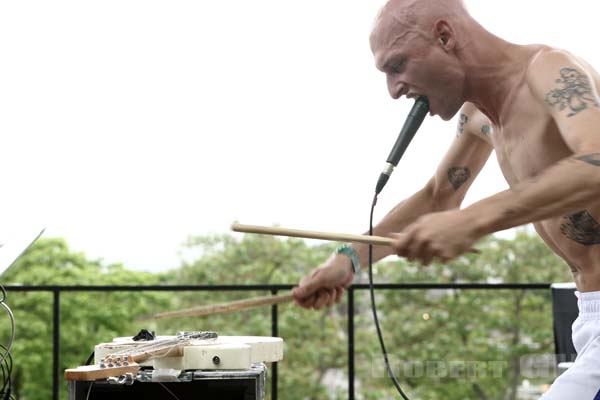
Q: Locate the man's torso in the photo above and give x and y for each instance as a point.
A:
(526, 143)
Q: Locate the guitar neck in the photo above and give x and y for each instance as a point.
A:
(171, 347)
(126, 361)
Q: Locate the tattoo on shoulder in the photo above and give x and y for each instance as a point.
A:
(593, 159)
(458, 176)
(461, 123)
(575, 92)
(486, 130)
(582, 228)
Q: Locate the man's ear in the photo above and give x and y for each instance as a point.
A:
(444, 34)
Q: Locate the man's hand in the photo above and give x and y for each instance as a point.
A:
(325, 285)
(444, 235)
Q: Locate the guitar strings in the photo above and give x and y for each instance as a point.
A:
(148, 348)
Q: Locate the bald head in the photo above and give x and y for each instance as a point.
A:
(412, 19)
(418, 45)
(440, 7)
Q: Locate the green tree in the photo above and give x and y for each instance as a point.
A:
(452, 326)
(439, 326)
(446, 335)
(87, 318)
(315, 341)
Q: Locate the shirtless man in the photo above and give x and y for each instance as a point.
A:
(539, 109)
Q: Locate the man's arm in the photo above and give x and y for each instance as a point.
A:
(446, 190)
(565, 87)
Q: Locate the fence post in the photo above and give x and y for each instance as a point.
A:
(350, 343)
(274, 332)
(55, 341)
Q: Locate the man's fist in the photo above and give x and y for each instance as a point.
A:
(325, 285)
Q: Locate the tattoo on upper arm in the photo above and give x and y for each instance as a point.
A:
(576, 92)
(462, 122)
(582, 228)
(486, 130)
(458, 175)
(593, 159)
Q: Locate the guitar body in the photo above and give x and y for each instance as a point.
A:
(187, 351)
(117, 362)
(231, 352)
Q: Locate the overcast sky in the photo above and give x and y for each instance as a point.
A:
(129, 125)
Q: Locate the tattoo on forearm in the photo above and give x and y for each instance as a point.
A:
(458, 175)
(593, 159)
(509, 213)
(582, 228)
(486, 130)
(461, 123)
(576, 92)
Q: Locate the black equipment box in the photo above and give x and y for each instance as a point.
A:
(222, 385)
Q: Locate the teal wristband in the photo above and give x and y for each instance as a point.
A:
(352, 254)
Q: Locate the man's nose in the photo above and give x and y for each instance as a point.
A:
(396, 88)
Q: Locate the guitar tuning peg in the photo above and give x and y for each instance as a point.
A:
(128, 379)
(112, 380)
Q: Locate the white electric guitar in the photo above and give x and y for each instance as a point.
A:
(127, 360)
(186, 351)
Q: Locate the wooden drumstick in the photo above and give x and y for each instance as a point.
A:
(340, 237)
(229, 307)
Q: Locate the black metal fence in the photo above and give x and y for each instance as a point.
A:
(273, 289)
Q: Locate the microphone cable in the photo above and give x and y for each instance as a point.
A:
(411, 126)
(6, 372)
(374, 308)
(12, 323)
(6, 361)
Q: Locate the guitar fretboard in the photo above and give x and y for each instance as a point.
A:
(162, 347)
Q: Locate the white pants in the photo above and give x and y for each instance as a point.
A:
(582, 380)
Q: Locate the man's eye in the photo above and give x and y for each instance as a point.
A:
(396, 68)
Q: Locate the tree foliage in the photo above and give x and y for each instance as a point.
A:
(429, 333)
(86, 318)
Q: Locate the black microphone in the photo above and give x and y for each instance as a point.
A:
(413, 122)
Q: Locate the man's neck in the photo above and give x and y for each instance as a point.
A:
(493, 68)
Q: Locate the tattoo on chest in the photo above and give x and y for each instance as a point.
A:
(575, 92)
(458, 175)
(582, 228)
(461, 123)
(486, 130)
(593, 159)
